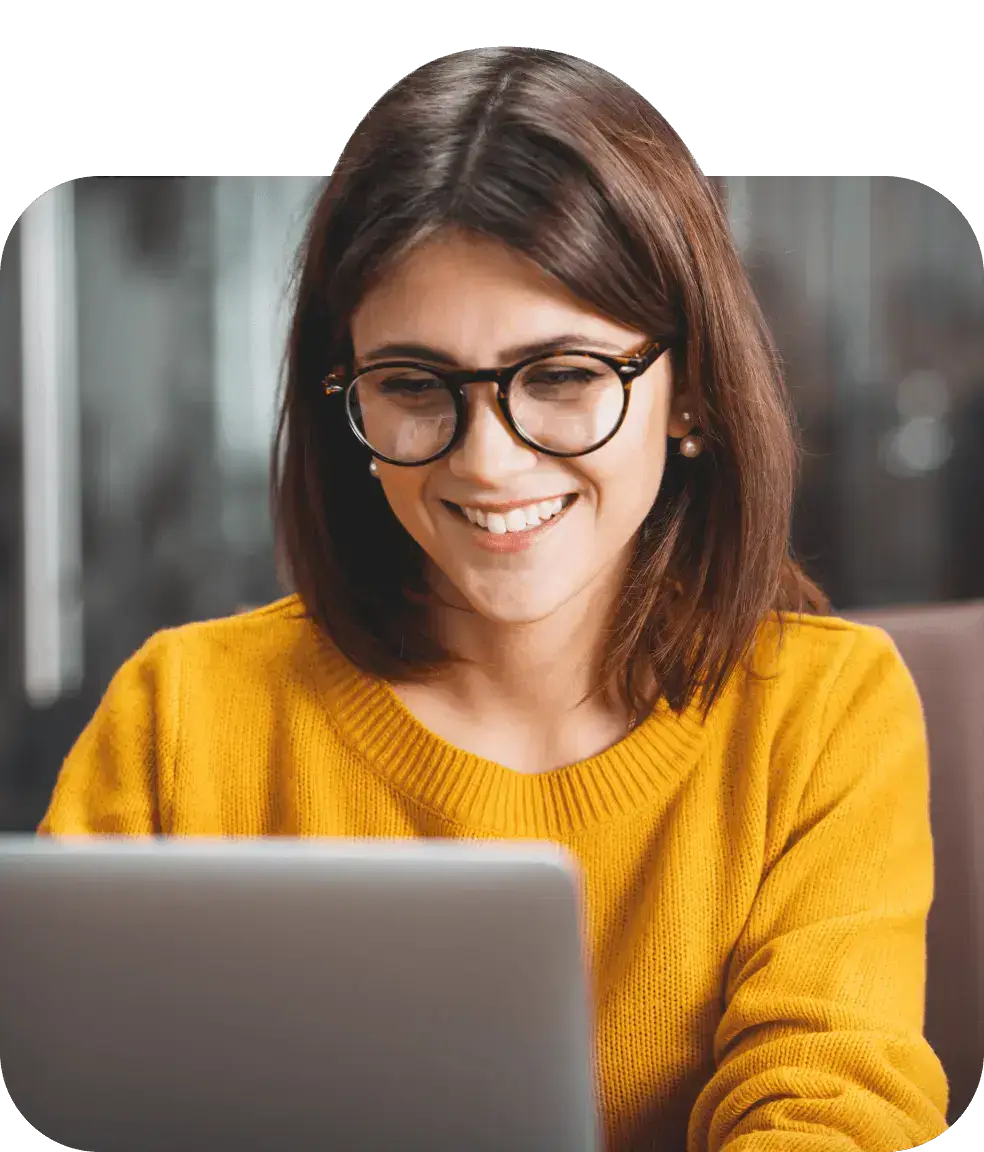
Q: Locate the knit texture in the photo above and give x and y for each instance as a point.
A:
(756, 886)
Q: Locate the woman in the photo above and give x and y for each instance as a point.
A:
(533, 486)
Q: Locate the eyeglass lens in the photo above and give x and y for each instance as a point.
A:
(566, 404)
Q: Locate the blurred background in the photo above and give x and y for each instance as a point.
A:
(141, 330)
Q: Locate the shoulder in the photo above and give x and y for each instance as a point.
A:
(825, 651)
(272, 642)
(819, 675)
(265, 626)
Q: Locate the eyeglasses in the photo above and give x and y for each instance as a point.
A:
(567, 403)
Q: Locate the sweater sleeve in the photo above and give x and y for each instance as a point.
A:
(117, 779)
(821, 1045)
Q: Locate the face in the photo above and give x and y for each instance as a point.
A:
(470, 301)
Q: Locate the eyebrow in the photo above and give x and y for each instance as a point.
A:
(570, 340)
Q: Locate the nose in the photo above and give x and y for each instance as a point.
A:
(490, 452)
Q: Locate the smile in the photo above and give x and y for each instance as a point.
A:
(513, 523)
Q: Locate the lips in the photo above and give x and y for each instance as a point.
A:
(502, 531)
(503, 519)
(506, 505)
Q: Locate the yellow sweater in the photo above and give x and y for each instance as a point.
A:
(756, 886)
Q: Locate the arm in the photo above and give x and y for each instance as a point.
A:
(117, 778)
(820, 1048)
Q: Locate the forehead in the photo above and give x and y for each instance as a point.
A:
(473, 298)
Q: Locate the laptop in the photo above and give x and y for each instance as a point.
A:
(268, 994)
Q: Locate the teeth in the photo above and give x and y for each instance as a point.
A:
(516, 519)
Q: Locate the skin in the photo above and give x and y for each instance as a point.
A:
(531, 623)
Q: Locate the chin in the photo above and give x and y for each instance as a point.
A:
(515, 614)
(511, 605)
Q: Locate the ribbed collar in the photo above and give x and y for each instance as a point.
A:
(488, 797)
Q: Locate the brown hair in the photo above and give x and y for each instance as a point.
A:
(559, 160)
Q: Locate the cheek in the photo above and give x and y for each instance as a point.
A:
(404, 490)
(627, 491)
(628, 471)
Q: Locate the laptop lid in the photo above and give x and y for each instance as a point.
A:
(260, 994)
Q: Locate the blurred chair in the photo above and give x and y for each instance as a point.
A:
(943, 647)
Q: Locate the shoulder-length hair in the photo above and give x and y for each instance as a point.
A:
(563, 162)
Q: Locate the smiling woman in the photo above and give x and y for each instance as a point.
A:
(542, 207)
(533, 481)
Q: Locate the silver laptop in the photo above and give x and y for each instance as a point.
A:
(284, 994)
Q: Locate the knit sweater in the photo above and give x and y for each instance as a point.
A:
(756, 885)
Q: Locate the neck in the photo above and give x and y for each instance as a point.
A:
(545, 668)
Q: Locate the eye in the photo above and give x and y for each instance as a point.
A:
(561, 374)
(409, 385)
(570, 379)
(404, 386)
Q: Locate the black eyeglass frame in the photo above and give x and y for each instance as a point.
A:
(626, 367)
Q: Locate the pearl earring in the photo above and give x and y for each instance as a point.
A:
(373, 469)
(690, 445)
